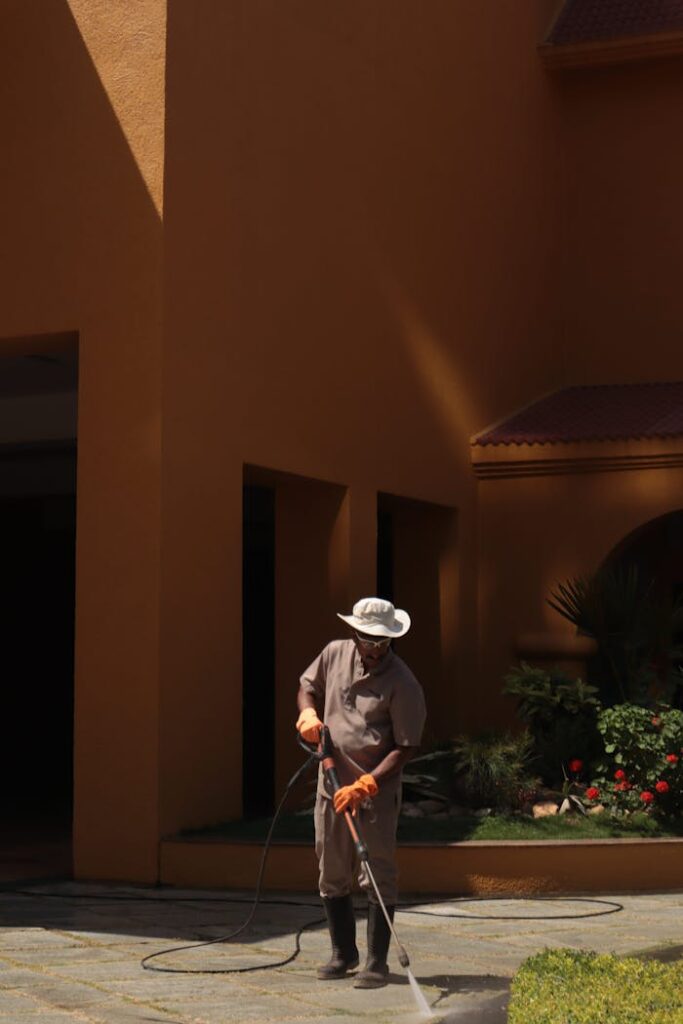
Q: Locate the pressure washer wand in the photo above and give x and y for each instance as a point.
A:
(327, 761)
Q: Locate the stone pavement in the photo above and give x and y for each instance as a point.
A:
(77, 959)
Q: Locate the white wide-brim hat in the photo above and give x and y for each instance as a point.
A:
(376, 617)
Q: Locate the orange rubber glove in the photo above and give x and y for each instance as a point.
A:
(309, 725)
(350, 797)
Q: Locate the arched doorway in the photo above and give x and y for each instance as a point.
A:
(655, 549)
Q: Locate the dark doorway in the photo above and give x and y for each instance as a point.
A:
(37, 596)
(38, 396)
(385, 552)
(258, 650)
(417, 569)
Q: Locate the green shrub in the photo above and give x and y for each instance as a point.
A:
(493, 770)
(562, 716)
(643, 764)
(564, 986)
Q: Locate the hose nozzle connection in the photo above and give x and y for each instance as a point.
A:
(403, 957)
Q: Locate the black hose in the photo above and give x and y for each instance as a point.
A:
(144, 963)
(613, 906)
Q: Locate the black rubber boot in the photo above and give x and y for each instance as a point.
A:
(375, 974)
(341, 921)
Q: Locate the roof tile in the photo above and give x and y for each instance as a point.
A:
(584, 21)
(599, 412)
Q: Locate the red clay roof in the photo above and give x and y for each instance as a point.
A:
(584, 21)
(600, 412)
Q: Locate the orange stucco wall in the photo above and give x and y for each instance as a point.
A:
(81, 252)
(513, 869)
(360, 220)
(327, 242)
(622, 164)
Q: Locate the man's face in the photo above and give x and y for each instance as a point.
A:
(372, 649)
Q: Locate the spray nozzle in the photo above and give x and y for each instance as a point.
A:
(403, 957)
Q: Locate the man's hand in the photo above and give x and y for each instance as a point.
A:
(309, 725)
(350, 797)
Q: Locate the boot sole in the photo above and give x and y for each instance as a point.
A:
(337, 975)
(371, 982)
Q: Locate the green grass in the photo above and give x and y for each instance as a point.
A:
(299, 827)
(574, 827)
(563, 986)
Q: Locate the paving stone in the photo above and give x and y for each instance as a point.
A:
(12, 1004)
(257, 1007)
(47, 1017)
(69, 995)
(122, 1014)
(18, 938)
(160, 987)
(99, 972)
(15, 978)
(82, 962)
(73, 957)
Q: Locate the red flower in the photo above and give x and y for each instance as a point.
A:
(672, 758)
(647, 797)
(592, 793)
(662, 787)
(622, 787)
(656, 722)
(575, 765)
(620, 774)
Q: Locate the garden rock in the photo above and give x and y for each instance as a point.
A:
(544, 810)
(597, 809)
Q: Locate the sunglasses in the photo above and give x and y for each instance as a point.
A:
(368, 642)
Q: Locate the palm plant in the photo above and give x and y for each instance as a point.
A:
(635, 631)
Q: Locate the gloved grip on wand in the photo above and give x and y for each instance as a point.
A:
(325, 749)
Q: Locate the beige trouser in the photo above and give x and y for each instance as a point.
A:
(336, 852)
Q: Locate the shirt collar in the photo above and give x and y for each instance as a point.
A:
(360, 672)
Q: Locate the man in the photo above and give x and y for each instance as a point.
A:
(375, 711)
